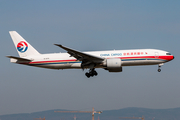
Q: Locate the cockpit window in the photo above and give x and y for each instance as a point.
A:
(168, 53)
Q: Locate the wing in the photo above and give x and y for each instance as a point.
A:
(84, 57)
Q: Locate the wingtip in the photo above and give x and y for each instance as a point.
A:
(58, 44)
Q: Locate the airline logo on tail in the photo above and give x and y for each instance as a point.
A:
(22, 46)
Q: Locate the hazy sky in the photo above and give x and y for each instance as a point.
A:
(87, 26)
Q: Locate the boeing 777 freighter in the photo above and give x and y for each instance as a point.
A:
(113, 60)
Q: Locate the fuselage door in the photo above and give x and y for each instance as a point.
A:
(156, 54)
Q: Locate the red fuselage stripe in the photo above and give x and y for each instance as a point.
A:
(167, 57)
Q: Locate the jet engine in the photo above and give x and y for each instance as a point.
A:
(113, 65)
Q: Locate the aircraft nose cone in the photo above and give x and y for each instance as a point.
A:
(170, 57)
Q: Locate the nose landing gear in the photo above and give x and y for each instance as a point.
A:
(159, 67)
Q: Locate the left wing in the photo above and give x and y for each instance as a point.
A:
(84, 57)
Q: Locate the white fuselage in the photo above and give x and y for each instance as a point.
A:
(128, 58)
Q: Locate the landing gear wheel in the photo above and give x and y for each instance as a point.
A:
(95, 73)
(159, 70)
(87, 75)
(91, 74)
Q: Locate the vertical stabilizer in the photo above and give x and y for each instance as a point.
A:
(22, 46)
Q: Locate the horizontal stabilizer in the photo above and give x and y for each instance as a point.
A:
(18, 58)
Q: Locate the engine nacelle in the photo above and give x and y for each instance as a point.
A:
(113, 65)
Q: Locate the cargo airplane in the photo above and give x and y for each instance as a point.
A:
(113, 60)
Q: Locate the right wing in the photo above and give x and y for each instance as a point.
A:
(84, 57)
(80, 55)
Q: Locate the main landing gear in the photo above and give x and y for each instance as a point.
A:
(159, 67)
(91, 73)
